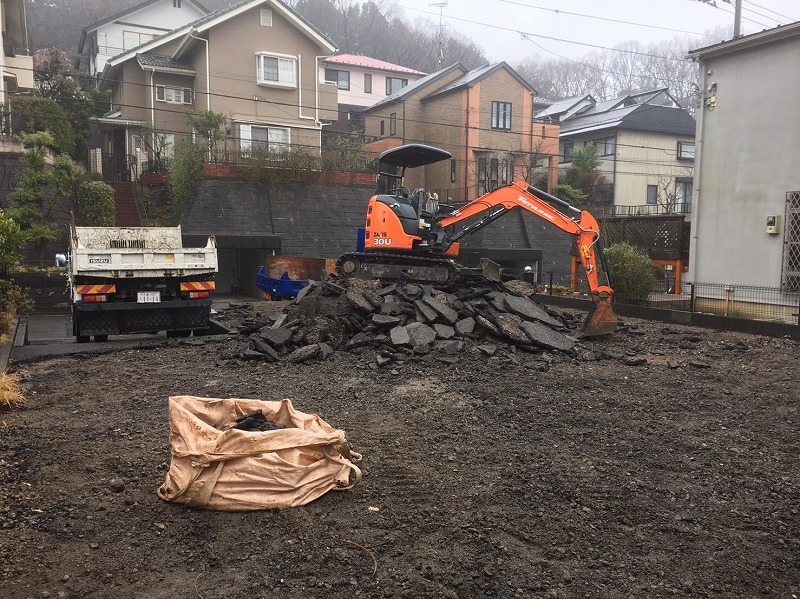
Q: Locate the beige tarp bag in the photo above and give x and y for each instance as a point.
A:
(218, 467)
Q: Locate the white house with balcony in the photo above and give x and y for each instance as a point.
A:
(133, 27)
(361, 81)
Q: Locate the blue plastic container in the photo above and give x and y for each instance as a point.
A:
(283, 288)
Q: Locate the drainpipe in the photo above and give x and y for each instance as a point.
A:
(152, 100)
(404, 124)
(314, 118)
(466, 152)
(208, 69)
(698, 161)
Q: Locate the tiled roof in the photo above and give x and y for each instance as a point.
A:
(162, 62)
(366, 62)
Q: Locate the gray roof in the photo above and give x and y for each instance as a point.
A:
(639, 117)
(474, 76)
(562, 105)
(162, 62)
(417, 85)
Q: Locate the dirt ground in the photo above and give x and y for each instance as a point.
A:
(580, 474)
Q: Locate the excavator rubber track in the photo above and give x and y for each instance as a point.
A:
(398, 267)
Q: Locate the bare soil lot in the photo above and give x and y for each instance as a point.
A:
(545, 474)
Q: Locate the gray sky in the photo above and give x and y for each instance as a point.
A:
(496, 25)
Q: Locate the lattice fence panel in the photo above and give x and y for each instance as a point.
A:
(790, 276)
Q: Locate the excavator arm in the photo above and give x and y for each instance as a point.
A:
(582, 225)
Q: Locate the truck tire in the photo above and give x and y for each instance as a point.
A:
(100, 338)
(82, 338)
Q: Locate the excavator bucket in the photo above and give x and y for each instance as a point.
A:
(601, 320)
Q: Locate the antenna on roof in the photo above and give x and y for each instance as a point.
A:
(440, 6)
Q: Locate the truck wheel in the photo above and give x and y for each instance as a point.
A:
(100, 338)
(82, 338)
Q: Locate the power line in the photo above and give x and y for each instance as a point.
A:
(788, 18)
(546, 37)
(577, 14)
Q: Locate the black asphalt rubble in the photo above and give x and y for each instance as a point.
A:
(404, 320)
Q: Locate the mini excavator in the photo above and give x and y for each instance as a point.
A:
(410, 236)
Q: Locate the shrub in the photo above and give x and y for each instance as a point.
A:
(185, 177)
(96, 206)
(632, 272)
(30, 115)
(10, 392)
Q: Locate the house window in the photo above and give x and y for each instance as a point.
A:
(266, 17)
(393, 124)
(263, 138)
(683, 196)
(340, 78)
(685, 150)
(567, 147)
(394, 84)
(383, 128)
(501, 115)
(367, 83)
(607, 146)
(173, 95)
(452, 171)
(481, 176)
(790, 277)
(652, 194)
(504, 172)
(278, 71)
(493, 171)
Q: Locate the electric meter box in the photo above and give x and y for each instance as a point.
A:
(773, 224)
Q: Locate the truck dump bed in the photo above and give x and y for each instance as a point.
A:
(137, 252)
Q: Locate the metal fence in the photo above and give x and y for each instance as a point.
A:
(738, 301)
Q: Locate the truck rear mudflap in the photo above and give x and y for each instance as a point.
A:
(176, 317)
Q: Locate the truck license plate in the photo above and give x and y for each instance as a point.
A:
(148, 297)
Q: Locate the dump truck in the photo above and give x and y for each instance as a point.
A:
(138, 280)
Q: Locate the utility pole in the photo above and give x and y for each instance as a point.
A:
(440, 57)
(737, 20)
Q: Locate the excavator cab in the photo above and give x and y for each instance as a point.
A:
(392, 165)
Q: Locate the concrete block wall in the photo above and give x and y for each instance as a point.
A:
(322, 221)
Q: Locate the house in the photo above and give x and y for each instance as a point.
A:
(645, 147)
(361, 82)
(746, 209)
(483, 117)
(256, 62)
(16, 62)
(133, 27)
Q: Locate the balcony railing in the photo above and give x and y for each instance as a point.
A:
(650, 209)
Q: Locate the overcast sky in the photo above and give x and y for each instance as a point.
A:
(497, 25)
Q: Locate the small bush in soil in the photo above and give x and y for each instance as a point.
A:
(632, 272)
(10, 392)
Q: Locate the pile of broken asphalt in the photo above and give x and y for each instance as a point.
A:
(399, 320)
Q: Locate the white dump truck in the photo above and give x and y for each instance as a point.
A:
(138, 280)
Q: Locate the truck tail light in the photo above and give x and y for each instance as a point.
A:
(198, 294)
(95, 298)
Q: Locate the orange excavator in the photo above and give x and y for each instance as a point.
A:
(410, 236)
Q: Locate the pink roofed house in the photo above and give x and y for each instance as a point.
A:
(362, 81)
